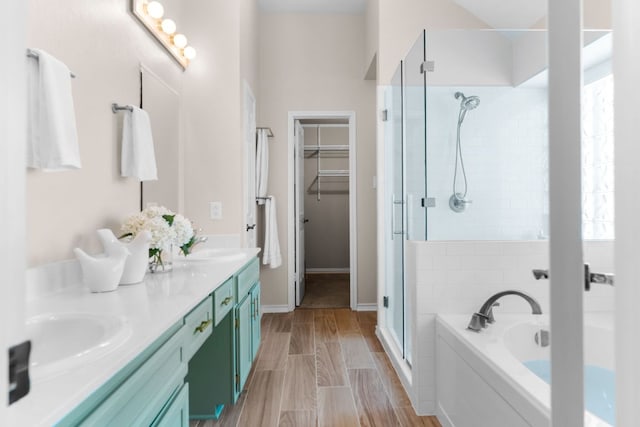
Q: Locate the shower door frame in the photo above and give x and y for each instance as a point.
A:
(291, 216)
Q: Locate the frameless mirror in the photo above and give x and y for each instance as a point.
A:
(161, 102)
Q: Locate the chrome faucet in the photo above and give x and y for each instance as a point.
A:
(480, 319)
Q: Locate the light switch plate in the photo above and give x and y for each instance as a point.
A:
(215, 210)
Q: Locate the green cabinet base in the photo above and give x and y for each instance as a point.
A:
(210, 376)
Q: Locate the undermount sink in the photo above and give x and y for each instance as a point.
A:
(61, 341)
(215, 255)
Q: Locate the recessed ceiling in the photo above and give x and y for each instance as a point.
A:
(314, 6)
(506, 14)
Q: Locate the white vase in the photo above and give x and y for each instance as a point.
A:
(136, 264)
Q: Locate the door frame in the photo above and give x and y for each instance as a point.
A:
(249, 187)
(353, 232)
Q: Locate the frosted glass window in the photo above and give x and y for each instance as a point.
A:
(597, 160)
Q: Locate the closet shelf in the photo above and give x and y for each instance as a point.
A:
(326, 148)
(329, 172)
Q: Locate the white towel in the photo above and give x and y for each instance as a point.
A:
(271, 254)
(262, 165)
(52, 135)
(138, 155)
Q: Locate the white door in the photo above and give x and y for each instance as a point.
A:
(12, 183)
(249, 128)
(299, 209)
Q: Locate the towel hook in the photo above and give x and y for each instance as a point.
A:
(115, 108)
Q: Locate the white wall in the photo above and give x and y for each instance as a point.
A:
(400, 23)
(314, 62)
(371, 35)
(103, 44)
(213, 119)
(505, 150)
(457, 277)
(226, 36)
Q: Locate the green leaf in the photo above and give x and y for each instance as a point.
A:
(169, 219)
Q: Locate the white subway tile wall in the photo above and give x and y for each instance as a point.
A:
(505, 147)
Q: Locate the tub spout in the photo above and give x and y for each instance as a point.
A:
(480, 319)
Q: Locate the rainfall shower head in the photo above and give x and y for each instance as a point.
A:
(468, 103)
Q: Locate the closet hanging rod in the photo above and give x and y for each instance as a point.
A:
(34, 54)
(115, 108)
(270, 134)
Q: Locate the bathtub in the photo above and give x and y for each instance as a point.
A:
(482, 379)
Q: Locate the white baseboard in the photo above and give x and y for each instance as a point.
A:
(326, 270)
(443, 417)
(367, 307)
(275, 308)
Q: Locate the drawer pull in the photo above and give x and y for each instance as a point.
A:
(203, 326)
(227, 300)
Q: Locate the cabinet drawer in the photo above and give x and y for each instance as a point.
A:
(198, 326)
(144, 394)
(223, 300)
(247, 278)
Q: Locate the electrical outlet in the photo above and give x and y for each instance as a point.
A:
(215, 210)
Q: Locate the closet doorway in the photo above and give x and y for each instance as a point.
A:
(322, 210)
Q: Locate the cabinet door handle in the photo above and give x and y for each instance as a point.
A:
(227, 300)
(203, 326)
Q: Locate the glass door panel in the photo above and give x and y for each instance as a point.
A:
(415, 140)
(395, 210)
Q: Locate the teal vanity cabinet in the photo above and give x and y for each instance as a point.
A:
(219, 370)
(150, 390)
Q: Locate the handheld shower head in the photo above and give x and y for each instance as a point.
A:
(468, 102)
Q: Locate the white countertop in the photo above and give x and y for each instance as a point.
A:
(148, 309)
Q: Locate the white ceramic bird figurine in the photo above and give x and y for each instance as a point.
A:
(137, 263)
(102, 273)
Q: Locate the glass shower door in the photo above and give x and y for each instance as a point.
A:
(415, 140)
(395, 195)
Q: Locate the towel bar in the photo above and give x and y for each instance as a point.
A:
(115, 108)
(32, 54)
(269, 134)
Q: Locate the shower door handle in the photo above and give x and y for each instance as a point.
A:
(395, 202)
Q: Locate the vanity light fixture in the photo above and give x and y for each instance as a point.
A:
(150, 14)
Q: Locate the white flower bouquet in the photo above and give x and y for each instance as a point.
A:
(167, 229)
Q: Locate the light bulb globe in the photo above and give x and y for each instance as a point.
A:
(155, 9)
(189, 52)
(180, 40)
(168, 26)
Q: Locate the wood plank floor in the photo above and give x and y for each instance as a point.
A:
(321, 368)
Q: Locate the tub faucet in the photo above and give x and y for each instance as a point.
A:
(480, 319)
